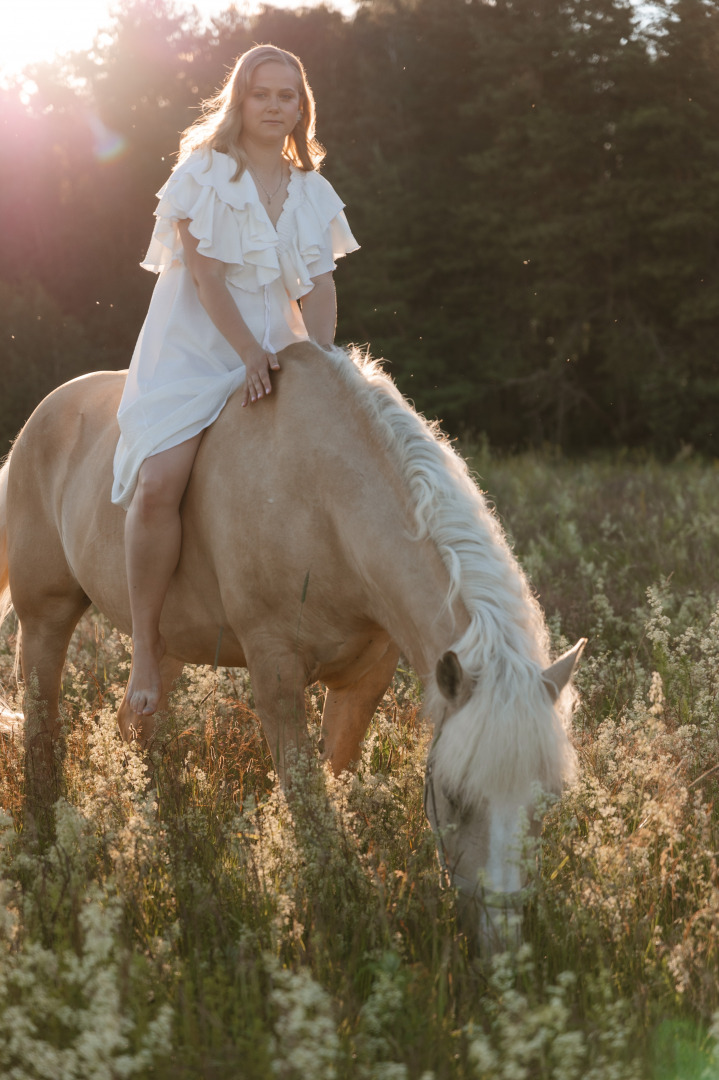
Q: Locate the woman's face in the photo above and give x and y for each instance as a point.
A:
(269, 110)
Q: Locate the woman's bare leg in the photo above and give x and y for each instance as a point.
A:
(152, 550)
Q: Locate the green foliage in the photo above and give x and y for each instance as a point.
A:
(39, 348)
(535, 187)
(586, 222)
(185, 919)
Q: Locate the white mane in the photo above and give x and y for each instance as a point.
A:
(508, 734)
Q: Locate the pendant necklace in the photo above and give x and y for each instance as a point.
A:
(269, 196)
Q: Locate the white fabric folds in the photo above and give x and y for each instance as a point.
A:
(183, 370)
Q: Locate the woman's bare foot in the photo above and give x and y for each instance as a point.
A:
(144, 689)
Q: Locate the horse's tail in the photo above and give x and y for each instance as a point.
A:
(5, 598)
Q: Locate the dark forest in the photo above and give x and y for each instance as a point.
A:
(535, 186)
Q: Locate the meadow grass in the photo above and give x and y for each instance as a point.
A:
(180, 921)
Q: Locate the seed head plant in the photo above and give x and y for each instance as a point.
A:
(181, 916)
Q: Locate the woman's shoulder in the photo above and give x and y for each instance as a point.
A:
(206, 165)
(319, 191)
(214, 169)
(315, 181)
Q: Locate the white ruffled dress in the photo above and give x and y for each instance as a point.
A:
(183, 370)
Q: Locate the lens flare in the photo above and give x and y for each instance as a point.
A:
(108, 145)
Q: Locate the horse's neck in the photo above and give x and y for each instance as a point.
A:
(408, 586)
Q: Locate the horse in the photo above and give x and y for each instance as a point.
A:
(325, 532)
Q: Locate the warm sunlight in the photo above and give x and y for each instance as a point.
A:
(37, 30)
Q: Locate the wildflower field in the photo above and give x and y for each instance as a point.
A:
(178, 921)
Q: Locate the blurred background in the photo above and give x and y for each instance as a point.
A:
(535, 186)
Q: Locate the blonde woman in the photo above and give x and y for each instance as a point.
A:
(246, 227)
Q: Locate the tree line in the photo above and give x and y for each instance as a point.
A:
(534, 183)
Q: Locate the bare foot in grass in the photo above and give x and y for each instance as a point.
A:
(144, 689)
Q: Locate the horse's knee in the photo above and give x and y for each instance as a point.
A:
(342, 734)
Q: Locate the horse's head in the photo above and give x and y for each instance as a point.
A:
(484, 839)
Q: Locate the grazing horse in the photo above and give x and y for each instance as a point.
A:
(323, 532)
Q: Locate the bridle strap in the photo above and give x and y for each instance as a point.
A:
(470, 889)
(433, 818)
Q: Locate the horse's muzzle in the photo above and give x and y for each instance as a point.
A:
(492, 923)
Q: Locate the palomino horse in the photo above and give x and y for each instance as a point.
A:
(323, 532)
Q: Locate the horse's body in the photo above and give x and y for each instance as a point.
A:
(324, 530)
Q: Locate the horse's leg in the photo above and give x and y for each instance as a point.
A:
(349, 708)
(46, 627)
(48, 602)
(133, 726)
(278, 685)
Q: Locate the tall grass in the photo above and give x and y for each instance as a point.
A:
(182, 921)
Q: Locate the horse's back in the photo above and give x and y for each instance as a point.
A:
(288, 487)
(287, 499)
(87, 403)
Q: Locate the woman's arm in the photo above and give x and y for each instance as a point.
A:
(319, 310)
(209, 278)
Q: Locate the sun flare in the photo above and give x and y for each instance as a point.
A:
(38, 30)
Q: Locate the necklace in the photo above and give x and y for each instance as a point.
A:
(269, 195)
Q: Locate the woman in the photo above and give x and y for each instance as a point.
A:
(245, 228)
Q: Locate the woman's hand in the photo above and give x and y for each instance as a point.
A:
(258, 362)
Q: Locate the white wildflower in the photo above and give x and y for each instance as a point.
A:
(305, 1040)
(656, 695)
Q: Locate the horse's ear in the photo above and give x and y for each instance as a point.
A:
(558, 674)
(453, 682)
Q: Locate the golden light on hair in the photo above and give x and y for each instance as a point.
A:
(220, 126)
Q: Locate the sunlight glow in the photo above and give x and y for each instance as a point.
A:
(35, 31)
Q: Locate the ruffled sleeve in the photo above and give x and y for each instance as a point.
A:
(230, 224)
(225, 217)
(314, 233)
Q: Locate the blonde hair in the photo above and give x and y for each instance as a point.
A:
(220, 126)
